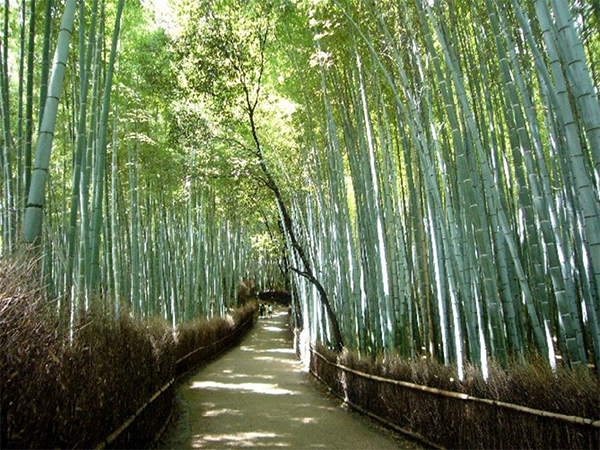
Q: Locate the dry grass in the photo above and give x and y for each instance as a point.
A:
(57, 393)
(454, 423)
(200, 340)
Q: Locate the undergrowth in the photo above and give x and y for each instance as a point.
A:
(58, 391)
(454, 423)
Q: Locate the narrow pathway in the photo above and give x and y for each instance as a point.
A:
(257, 395)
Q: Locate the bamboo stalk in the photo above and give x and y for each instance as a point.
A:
(32, 221)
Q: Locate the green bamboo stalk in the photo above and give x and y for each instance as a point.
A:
(6, 156)
(558, 266)
(32, 222)
(135, 297)
(541, 340)
(101, 160)
(568, 48)
(29, 101)
(86, 57)
(345, 250)
(575, 158)
(19, 147)
(45, 67)
(116, 267)
(579, 79)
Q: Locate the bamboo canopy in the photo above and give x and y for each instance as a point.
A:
(423, 177)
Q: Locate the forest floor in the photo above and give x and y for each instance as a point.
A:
(258, 395)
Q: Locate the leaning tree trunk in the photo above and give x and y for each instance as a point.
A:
(308, 272)
(289, 229)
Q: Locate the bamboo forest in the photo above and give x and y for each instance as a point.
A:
(420, 178)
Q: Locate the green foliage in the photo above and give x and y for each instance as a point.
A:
(220, 49)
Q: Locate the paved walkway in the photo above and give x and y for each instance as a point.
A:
(257, 395)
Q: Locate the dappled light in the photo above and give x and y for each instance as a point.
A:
(304, 420)
(223, 411)
(289, 351)
(273, 329)
(410, 186)
(257, 388)
(243, 439)
(258, 396)
(275, 359)
(236, 376)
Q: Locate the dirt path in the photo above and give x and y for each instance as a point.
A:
(257, 395)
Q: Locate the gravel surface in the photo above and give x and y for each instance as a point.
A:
(257, 395)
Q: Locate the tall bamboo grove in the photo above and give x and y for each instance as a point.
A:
(109, 237)
(455, 209)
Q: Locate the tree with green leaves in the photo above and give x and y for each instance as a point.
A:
(230, 49)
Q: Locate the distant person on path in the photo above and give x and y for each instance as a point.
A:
(261, 310)
(270, 311)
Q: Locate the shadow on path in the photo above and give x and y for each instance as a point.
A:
(257, 395)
